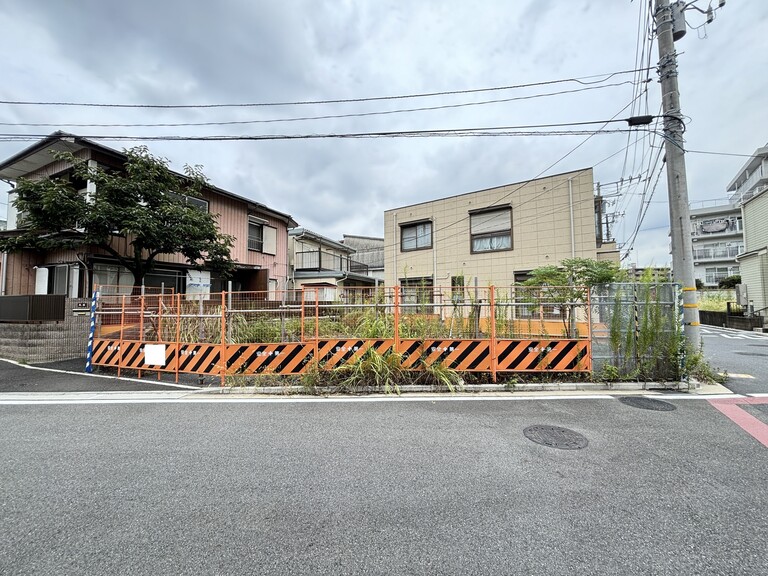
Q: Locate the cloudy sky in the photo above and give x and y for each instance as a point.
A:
(177, 52)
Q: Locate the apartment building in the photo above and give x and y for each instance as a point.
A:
(718, 238)
(494, 236)
(751, 179)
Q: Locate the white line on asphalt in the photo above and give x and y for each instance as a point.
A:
(741, 376)
(169, 385)
(758, 395)
(42, 398)
(694, 396)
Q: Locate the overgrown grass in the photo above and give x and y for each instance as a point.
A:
(715, 300)
(373, 372)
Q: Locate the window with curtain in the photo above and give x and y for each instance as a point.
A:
(491, 230)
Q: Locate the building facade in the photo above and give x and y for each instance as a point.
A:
(494, 236)
(369, 250)
(323, 264)
(754, 261)
(260, 249)
(718, 238)
(751, 179)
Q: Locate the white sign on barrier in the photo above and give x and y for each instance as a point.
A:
(154, 354)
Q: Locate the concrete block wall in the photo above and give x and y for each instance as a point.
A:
(49, 341)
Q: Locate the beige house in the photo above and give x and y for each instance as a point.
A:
(754, 261)
(494, 236)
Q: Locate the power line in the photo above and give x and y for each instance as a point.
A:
(306, 118)
(460, 132)
(555, 163)
(580, 80)
(719, 153)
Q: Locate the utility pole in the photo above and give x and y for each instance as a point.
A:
(670, 26)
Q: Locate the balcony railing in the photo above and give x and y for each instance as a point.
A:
(717, 253)
(743, 192)
(724, 227)
(317, 260)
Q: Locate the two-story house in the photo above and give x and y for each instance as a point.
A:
(494, 236)
(754, 261)
(323, 264)
(260, 232)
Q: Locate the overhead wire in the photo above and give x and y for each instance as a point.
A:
(459, 132)
(579, 80)
(308, 118)
(520, 185)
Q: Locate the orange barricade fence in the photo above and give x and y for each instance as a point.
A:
(523, 329)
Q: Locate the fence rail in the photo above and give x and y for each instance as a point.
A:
(466, 329)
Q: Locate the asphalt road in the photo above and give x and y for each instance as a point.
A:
(742, 355)
(378, 487)
(50, 378)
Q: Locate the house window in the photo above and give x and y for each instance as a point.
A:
(255, 236)
(457, 289)
(491, 230)
(416, 236)
(417, 290)
(199, 203)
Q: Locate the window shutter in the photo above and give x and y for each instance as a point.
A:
(41, 280)
(270, 240)
(486, 222)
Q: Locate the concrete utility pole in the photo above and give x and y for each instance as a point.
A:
(670, 26)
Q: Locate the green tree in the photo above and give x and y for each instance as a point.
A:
(576, 272)
(145, 203)
(730, 281)
(566, 286)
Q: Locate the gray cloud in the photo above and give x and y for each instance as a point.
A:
(181, 52)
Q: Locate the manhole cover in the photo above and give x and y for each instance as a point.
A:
(555, 437)
(647, 403)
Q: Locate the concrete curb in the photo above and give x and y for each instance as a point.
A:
(470, 389)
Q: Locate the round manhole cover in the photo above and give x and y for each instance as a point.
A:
(646, 403)
(556, 437)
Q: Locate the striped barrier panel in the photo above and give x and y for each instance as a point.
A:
(132, 355)
(268, 358)
(293, 358)
(105, 352)
(542, 355)
(334, 353)
(462, 355)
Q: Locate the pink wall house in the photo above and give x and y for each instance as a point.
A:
(260, 232)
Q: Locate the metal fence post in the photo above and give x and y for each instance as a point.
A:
(492, 344)
(178, 335)
(91, 333)
(396, 302)
(223, 339)
(120, 342)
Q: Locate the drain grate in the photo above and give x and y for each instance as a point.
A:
(647, 403)
(555, 437)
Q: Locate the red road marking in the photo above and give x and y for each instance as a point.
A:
(751, 425)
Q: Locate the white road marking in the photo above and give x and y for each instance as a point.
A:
(86, 374)
(78, 398)
(741, 376)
